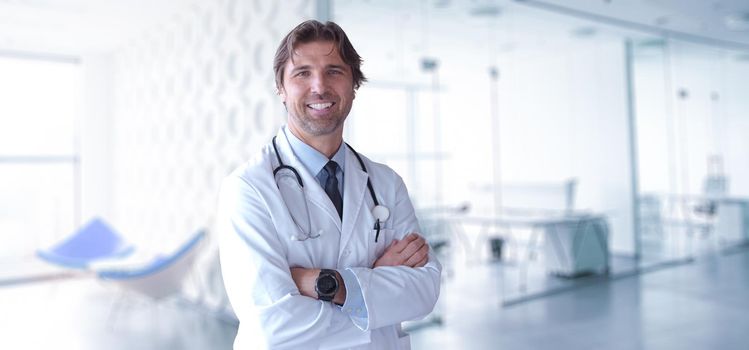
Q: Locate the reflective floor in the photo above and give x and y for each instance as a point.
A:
(699, 305)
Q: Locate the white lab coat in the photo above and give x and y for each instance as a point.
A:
(254, 229)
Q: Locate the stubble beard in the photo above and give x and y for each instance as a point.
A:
(318, 127)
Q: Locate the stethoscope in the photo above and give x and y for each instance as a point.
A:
(292, 191)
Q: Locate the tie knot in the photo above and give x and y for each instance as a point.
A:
(331, 167)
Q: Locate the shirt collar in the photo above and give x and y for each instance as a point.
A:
(311, 158)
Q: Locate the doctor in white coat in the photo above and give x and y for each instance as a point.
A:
(326, 256)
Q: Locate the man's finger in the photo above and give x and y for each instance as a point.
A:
(403, 243)
(392, 247)
(412, 248)
(418, 256)
(423, 262)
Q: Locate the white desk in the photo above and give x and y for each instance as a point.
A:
(729, 222)
(732, 220)
(575, 244)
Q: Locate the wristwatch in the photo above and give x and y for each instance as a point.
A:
(326, 285)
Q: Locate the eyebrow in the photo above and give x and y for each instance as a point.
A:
(307, 67)
(296, 69)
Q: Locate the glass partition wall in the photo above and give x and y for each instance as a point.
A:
(539, 147)
(511, 129)
(692, 110)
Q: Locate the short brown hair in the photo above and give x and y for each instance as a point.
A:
(313, 30)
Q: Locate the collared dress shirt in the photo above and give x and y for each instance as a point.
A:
(315, 161)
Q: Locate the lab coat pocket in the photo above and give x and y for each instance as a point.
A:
(376, 249)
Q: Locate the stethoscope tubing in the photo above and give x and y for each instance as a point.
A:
(282, 166)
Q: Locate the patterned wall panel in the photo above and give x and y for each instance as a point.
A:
(194, 98)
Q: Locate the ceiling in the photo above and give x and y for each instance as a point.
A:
(719, 22)
(723, 23)
(75, 27)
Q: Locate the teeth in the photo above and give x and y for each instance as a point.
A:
(319, 106)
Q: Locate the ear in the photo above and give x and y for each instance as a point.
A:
(281, 92)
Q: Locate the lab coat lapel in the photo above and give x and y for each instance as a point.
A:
(312, 189)
(355, 186)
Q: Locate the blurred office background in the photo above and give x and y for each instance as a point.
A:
(580, 166)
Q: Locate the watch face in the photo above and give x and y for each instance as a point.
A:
(326, 284)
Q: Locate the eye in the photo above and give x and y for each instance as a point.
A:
(335, 72)
(302, 74)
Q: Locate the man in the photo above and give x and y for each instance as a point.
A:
(327, 255)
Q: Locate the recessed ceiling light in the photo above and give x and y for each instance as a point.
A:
(743, 57)
(485, 10)
(661, 20)
(507, 47)
(584, 32)
(737, 21)
(651, 43)
(439, 4)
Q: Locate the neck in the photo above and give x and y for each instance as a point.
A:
(327, 144)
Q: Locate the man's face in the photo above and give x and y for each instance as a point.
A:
(318, 89)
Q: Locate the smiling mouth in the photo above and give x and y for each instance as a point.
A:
(320, 106)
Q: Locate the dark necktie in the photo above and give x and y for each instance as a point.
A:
(331, 187)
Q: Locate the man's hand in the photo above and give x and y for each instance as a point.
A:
(412, 251)
(305, 282)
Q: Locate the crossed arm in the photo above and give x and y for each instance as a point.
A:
(277, 304)
(411, 251)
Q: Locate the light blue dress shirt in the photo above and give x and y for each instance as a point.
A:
(315, 161)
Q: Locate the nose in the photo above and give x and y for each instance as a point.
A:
(318, 84)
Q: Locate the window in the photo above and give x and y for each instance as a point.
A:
(39, 105)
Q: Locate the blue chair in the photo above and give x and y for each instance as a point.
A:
(94, 241)
(159, 276)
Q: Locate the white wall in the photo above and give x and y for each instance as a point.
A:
(194, 98)
(96, 138)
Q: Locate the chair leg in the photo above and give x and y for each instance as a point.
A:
(529, 256)
(114, 309)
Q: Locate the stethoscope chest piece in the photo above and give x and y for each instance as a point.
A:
(380, 213)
